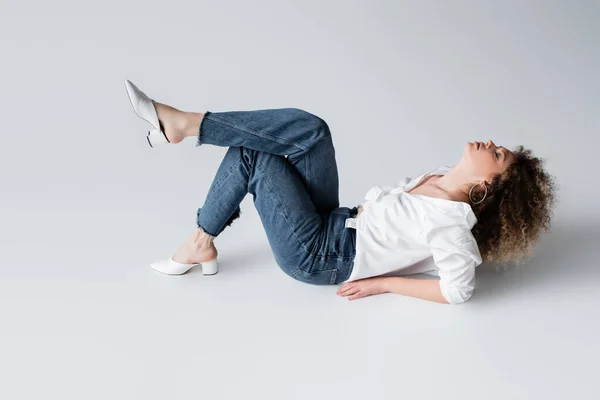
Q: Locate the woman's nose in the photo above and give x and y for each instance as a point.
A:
(489, 143)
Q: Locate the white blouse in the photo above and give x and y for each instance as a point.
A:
(399, 233)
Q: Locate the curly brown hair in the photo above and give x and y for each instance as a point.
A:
(519, 205)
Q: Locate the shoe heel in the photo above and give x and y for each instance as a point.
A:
(210, 267)
(156, 137)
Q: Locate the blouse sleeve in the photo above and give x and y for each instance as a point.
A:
(457, 275)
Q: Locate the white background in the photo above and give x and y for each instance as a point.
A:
(86, 204)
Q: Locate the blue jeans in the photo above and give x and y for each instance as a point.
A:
(285, 158)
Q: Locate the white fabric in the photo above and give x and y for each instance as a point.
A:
(399, 233)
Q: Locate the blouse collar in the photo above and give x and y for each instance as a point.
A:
(450, 204)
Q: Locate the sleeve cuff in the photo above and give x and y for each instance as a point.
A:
(453, 295)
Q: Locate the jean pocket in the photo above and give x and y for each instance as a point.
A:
(316, 277)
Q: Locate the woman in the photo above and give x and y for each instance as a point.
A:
(491, 206)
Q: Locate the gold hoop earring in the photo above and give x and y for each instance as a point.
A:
(470, 191)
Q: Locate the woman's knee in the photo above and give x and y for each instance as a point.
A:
(317, 122)
(311, 130)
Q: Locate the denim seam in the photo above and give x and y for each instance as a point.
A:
(333, 276)
(306, 169)
(268, 180)
(253, 132)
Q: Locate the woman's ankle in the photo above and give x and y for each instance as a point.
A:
(203, 239)
(192, 123)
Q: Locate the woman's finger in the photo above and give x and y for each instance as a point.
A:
(350, 292)
(347, 285)
(342, 290)
(357, 295)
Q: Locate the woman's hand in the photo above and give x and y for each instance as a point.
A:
(361, 288)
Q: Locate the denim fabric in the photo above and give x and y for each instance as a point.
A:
(285, 158)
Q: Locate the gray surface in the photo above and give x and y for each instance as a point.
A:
(86, 205)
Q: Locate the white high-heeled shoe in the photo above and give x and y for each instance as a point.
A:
(144, 108)
(172, 267)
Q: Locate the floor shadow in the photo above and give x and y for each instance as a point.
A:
(568, 255)
(243, 258)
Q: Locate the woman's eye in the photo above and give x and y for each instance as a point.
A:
(496, 153)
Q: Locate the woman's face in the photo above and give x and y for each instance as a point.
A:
(485, 160)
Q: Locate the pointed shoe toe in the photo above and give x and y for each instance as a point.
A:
(172, 267)
(145, 109)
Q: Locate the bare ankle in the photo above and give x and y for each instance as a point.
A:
(203, 239)
(192, 123)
